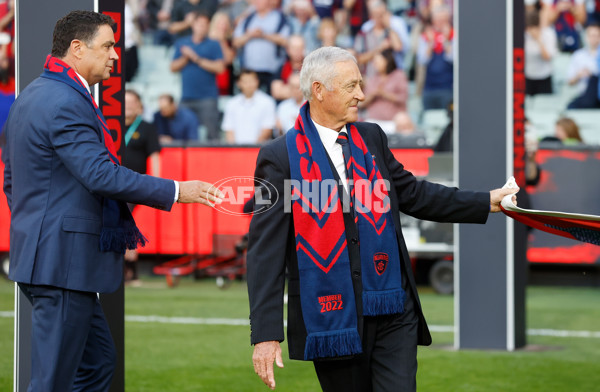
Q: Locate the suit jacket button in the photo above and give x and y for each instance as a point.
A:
(356, 274)
(354, 240)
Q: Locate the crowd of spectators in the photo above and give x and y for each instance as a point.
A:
(563, 26)
(404, 48)
(249, 53)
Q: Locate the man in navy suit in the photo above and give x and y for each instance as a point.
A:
(69, 220)
(341, 315)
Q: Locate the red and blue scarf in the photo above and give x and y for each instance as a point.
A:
(326, 289)
(119, 231)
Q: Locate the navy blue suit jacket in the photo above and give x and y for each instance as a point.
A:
(57, 172)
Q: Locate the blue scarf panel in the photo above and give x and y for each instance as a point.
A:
(379, 253)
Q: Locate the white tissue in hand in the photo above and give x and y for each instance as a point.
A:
(510, 183)
(507, 200)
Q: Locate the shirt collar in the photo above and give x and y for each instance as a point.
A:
(85, 83)
(254, 96)
(328, 136)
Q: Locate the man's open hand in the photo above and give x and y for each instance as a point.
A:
(199, 192)
(264, 355)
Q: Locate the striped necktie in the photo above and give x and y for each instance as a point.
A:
(344, 142)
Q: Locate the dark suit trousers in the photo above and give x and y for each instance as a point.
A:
(71, 345)
(388, 362)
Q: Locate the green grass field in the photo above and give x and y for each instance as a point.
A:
(190, 357)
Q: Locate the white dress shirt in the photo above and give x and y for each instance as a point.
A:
(334, 150)
(248, 117)
(584, 58)
(87, 86)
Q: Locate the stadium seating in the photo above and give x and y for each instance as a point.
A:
(154, 77)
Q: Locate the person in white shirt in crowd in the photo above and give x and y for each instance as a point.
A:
(584, 61)
(540, 49)
(287, 111)
(249, 117)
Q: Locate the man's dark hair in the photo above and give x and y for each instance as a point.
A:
(532, 18)
(134, 93)
(200, 14)
(390, 61)
(81, 25)
(168, 97)
(246, 71)
(593, 23)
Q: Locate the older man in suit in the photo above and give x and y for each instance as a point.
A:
(353, 308)
(67, 193)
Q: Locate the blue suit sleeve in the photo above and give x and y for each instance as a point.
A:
(79, 147)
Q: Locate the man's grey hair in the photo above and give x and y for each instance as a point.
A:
(319, 66)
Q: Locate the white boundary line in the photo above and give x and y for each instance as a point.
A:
(16, 336)
(245, 322)
(187, 320)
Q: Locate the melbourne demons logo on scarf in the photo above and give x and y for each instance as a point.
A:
(326, 287)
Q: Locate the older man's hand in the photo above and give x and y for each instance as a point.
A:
(265, 353)
(497, 195)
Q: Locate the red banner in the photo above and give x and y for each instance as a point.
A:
(112, 91)
(519, 156)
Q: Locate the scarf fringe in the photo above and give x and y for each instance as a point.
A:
(118, 239)
(332, 344)
(376, 303)
(582, 234)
